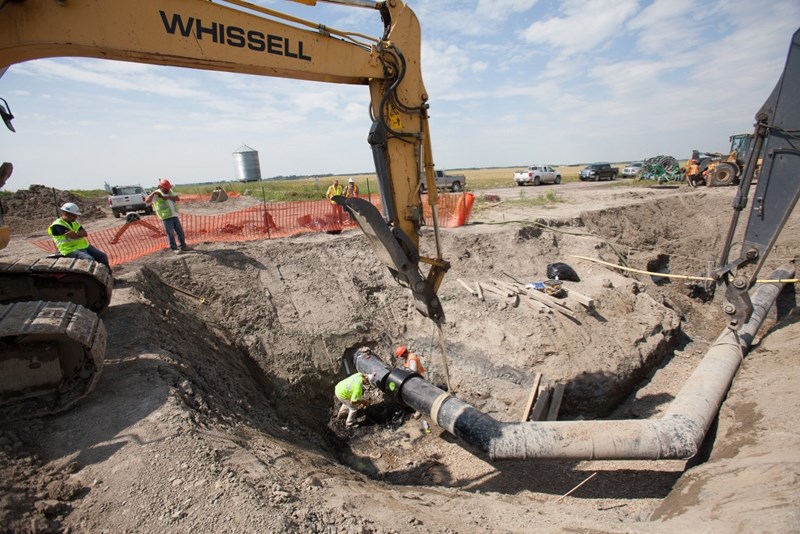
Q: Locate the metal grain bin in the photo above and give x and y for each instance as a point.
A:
(247, 167)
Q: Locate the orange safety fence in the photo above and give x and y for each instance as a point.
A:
(146, 235)
(205, 197)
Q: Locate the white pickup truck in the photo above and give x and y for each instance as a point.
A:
(123, 199)
(537, 174)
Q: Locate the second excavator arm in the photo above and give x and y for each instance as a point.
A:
(236, 36)
(777, 135)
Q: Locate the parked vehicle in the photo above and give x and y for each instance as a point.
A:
(537, 174)
(453, 182)
(598, 171)
(128, 198)
(633, 169)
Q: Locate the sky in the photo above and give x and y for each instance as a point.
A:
(511, 83)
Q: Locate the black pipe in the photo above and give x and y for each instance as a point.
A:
(676, 435)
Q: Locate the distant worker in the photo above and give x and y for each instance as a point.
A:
(709, 173)
(351, 191)
(335, 190)
(71, 238)
(165, 201)
(410, 359)
(350, 392)
(692, 170)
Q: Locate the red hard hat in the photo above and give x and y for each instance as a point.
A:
(164, 184)
(400, 351)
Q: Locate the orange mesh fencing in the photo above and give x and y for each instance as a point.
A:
(145, 236)
(205, 197)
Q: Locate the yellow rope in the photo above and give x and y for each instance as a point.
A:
(682, 276)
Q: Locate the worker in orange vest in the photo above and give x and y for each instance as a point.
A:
(410, 359)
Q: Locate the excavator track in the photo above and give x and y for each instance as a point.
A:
(52, 341)
(57, 279)
(51, 355)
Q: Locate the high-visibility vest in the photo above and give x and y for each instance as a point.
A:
(334, 190)
(165, 209)
(64, 244)
(351, 388)
(351, 192)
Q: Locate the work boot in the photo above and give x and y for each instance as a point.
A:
(186, 248)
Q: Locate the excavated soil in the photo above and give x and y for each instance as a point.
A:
(215, 412)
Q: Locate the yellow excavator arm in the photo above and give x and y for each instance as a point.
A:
(236, 36)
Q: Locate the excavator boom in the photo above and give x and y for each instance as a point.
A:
(232, 36)
(777, 136)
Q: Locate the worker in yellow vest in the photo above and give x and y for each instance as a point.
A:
(335, 190)
(165, 204)
(350, 393)
(71, 238)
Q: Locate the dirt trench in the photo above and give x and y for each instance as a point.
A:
(226, 396)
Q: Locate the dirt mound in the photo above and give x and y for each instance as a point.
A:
(31, 211)
(215, 408)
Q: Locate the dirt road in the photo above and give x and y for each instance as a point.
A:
(219, 417)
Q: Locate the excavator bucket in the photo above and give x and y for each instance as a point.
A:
(395, 250)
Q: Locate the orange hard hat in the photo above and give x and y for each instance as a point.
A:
(400, 351)
(164, 184)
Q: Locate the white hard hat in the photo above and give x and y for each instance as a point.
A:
(71, 207)
(350, 181)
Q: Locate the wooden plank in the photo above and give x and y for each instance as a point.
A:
(555, 402)
(480, 290)
(532, 398)
(498, 291)
(581, 298)
(542, 403)
(466, 286)
(508, 287)
(546, 299)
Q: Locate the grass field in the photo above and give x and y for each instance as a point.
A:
(313, 188)
(310, 188)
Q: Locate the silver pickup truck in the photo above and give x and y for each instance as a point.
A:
(453, 182)
(123, 199)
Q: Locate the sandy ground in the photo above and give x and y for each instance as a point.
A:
(218, 416)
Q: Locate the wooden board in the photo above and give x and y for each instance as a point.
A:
(534, 390)
(555, 402)
(542, 403)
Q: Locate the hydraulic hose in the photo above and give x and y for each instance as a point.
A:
(677, 435)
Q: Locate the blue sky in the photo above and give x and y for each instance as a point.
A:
(511, 82)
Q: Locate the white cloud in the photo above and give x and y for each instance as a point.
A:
(583, 25)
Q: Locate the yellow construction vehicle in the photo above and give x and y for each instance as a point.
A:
(44, 367)
(715, 169)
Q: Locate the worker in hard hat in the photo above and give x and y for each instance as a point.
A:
(350, 393)
(351, 191)
(410, 360)
(71, 238)
(165, 203)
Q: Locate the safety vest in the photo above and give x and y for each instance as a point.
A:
(351, 388)
(334, 190)
(351, 192)
(165, 209)
(64, 244)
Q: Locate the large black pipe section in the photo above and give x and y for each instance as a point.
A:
(677, 435)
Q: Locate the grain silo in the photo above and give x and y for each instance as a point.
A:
(247, 167)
